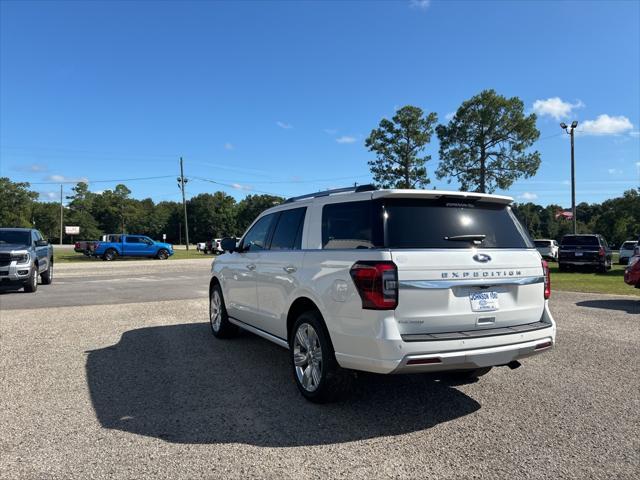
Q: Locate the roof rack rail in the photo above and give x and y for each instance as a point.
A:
(326, 193)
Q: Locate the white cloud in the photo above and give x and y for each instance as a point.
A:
(614, 171)
(420, 4)
(529, 196)
(555, 107)
(449, 116)
(33, 167)
(239, 186)
(606, 125)
(229, 146)
(346, 139)
(50, 195)
(635, 133)
(284, 125)
(63, 179)
(330, 131)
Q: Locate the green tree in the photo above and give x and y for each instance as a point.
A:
(211, 216)
(46, 218)
(398, 144)
(16, 201)
(250, 207)
(484, 146)
(80, 212)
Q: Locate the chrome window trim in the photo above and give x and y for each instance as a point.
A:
(442, 284)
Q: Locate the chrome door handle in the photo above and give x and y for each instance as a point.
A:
(251, 266)
(289, 269)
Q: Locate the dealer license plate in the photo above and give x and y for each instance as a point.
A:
(484, 301)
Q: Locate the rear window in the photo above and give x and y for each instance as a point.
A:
(451, 223)
(580, 240)
(628, 245)
(542, 243)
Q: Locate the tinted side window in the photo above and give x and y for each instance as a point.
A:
(256, 238)
(133, 239)
(285, 235)
(352, 225)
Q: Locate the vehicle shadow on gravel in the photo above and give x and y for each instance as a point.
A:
(625, 305)
(180, 384)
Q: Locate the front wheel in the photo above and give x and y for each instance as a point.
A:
(162, 254)
(47, 276)
(32, 284)
(316, 372)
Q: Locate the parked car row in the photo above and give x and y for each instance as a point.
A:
(584, 250)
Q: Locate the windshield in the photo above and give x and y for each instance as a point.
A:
(451, 223)
(15, 237)
(580, 240)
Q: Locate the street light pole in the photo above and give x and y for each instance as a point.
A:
(570, 131)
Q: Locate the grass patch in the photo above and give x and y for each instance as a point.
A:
(68, 256)
(585, 281)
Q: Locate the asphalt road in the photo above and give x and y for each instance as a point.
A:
(138, 388)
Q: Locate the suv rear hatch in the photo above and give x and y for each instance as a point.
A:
(580, 248)
(465, 266)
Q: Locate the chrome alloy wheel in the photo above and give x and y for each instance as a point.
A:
(307, 357)
(215, 310)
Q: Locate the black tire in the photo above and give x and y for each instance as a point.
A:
(47, 275)
(602, 268)
(332, 382)
(31, 285)
(221, 327)
(469, 375)
(162, 254)
(110, 255)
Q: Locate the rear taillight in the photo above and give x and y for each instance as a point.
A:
(601, 252)
(377, 284)
(547, 279)
(77, 244)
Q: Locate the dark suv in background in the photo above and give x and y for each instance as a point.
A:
(586, 250)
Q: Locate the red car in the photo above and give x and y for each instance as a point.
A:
(632, 272)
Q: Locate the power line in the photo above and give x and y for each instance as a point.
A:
(236, 187)
(100, 181)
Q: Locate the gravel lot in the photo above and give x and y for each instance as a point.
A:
(140, 389)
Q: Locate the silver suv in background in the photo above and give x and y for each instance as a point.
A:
(547, 248)
(627, 250)
(386, 281)
(24, 256)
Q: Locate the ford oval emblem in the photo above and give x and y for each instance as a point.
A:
(482, 257)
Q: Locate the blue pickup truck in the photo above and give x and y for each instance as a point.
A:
(131, 246)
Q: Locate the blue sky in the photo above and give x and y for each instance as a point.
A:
(278, 97)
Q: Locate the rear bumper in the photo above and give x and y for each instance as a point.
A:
(581, 262)
(393, 355)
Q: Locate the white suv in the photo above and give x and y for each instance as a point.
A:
(386, 281)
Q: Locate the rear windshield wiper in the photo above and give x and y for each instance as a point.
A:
(475, 239)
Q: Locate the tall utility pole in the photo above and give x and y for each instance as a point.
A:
(181, 183)
(570, 130)
(61, 214)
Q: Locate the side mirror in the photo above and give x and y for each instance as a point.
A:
(42, 243)
(228, 244)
